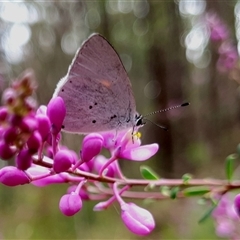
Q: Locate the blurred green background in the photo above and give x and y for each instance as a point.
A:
(166, 50)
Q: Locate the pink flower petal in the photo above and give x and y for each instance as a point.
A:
(141, 153)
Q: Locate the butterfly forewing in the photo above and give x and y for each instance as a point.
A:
(96, 90)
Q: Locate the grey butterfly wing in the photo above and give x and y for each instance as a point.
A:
(96, 90)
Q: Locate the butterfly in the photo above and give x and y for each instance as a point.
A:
(97, 91)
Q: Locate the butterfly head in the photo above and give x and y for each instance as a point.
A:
(139, 121)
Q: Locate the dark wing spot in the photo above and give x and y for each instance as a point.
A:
(62, 90)
(63, 126)
(90, 107)
(93, 121)
(95, 103)
(114, 116)
(70, 81)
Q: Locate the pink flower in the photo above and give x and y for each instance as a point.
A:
(129, 147)
(126, 146)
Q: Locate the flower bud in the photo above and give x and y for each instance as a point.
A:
(109, 142)
(9, 96)
(49, 152)
(225, 228)
(10, 134)
(91, 146)
(54, 179)
(74, 156)
(56, 112)
(11, 176)
(62, 161)
(50, 138)
(237, 204)
(3, 113)
(6, 152)
(42, 110)
(30, 103)
(44, 126)
(138, 220)
(70, 204)
(34, 142)
(28, 124)
(82, 193)
(24, 159)
(99, 162)
(15, 120)
(84, 167)
(100, 206)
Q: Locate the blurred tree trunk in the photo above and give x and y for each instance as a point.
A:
(168, 69)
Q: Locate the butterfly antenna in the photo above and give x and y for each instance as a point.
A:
(165, 110)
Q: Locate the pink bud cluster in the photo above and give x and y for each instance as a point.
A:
(220, 36)
(18, 127)
(32, 137)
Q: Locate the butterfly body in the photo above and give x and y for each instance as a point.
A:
(97, 91)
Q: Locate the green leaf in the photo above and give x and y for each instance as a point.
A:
(165, 190)
(207, 214)
(148, 173)
(229, 166)
(195, 191)
(173, 192)
(186, 177)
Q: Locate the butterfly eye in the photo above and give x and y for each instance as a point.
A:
(139, 120)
